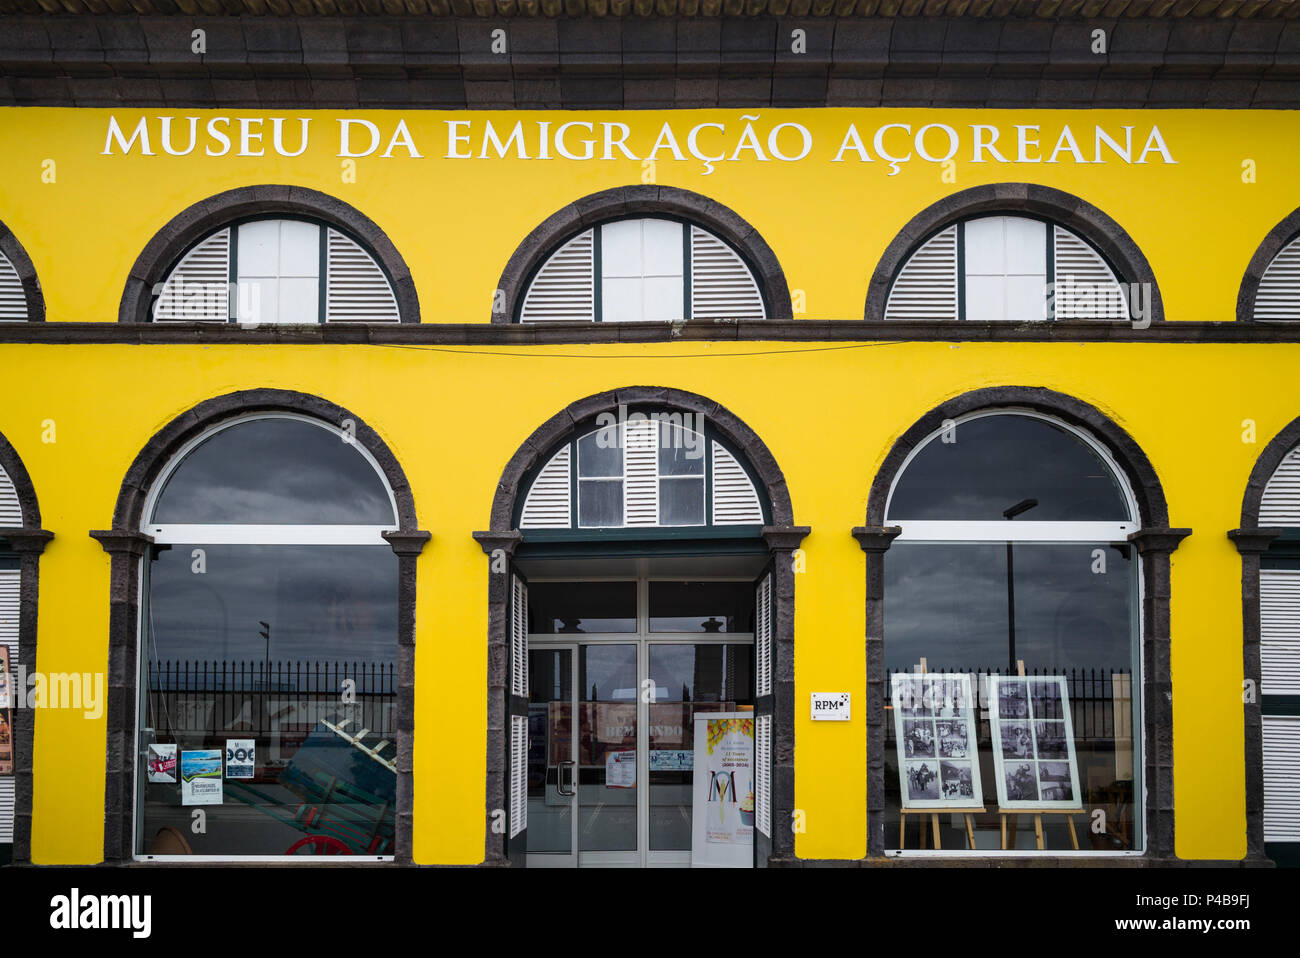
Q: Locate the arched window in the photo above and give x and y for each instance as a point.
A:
(269, 646)
(643, 269)
(652, 469)
(1278, 295)
(1279, 652)
(1005, 268)
(277, 270)
(1010, 640)
(20, 292)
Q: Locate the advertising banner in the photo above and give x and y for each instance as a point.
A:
(201, 777)
(162, 763)
(723, 799)
(6, 716)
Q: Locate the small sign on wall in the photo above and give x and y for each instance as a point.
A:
(830, 706)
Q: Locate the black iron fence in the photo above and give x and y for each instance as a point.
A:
(277, 701)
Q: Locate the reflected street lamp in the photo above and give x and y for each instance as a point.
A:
(1024, 505)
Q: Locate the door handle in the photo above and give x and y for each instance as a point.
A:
(559, 779)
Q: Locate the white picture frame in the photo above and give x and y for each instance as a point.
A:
(1033, 743)
(934, 714)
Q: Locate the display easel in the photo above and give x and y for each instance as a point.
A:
(934, 813)
(1011, 814)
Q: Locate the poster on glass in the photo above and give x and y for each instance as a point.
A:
(935, 730)
(1033, 742)
(723, 800)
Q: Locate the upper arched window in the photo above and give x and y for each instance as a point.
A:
(1278, 296)
(980, 466)
(652, 469)
(13, 298)
(643, 269)
(277, 270)
(1005, 268)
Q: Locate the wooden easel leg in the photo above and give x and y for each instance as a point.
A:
(1004, 833)
(1038, 831)
(934, 825)
(970, 832)
(902, 829)
(1074, 836)
(922, 818)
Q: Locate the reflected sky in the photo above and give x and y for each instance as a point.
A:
(324, 603)
(998, 461)
(949, 604)
(275, 471)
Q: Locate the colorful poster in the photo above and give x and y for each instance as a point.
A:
(6, 715)
(239, 758)
(162, 763)
(1033, 742)
(722, 834)
(935, 733)
(201, 777)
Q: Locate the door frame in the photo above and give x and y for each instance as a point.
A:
(642, 638)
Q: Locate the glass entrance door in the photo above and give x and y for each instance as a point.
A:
(611, 727)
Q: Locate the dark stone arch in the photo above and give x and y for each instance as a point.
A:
(782, 538)
(546, 436)
(127, 545)
(28, 540)
(1127, 454)
(206, 216)
(626, 201)
(1252, 542)
(1072, 212)
(22, 263)
(1276, 240)
(1154, 541)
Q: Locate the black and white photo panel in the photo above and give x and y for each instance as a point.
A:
(1033, 742)
(936, 731)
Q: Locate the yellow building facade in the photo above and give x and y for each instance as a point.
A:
(456, 391)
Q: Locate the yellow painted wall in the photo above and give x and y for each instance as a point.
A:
(457, 222)
(453, 417)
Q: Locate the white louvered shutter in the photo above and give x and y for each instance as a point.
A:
(548, 504)
(1278, 296)
(564, 287)
(9, 579)
(519, 638)
(763, 774)
(735, 500)
(926, 286)
(356, 289)
(722, 286)
(1085, 287)
(1281, 778)
(641, 473)
(13, 299)
(1279, 640)
(1281, 502)
(518, 774)
(198, 289)
(763, 636)
(11, 513)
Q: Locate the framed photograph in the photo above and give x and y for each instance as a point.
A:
(1033, 742)
(935, 728)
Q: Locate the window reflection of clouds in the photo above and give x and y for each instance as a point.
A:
(335, 603)
(275, 471)
(948, 602)
(999, 460)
